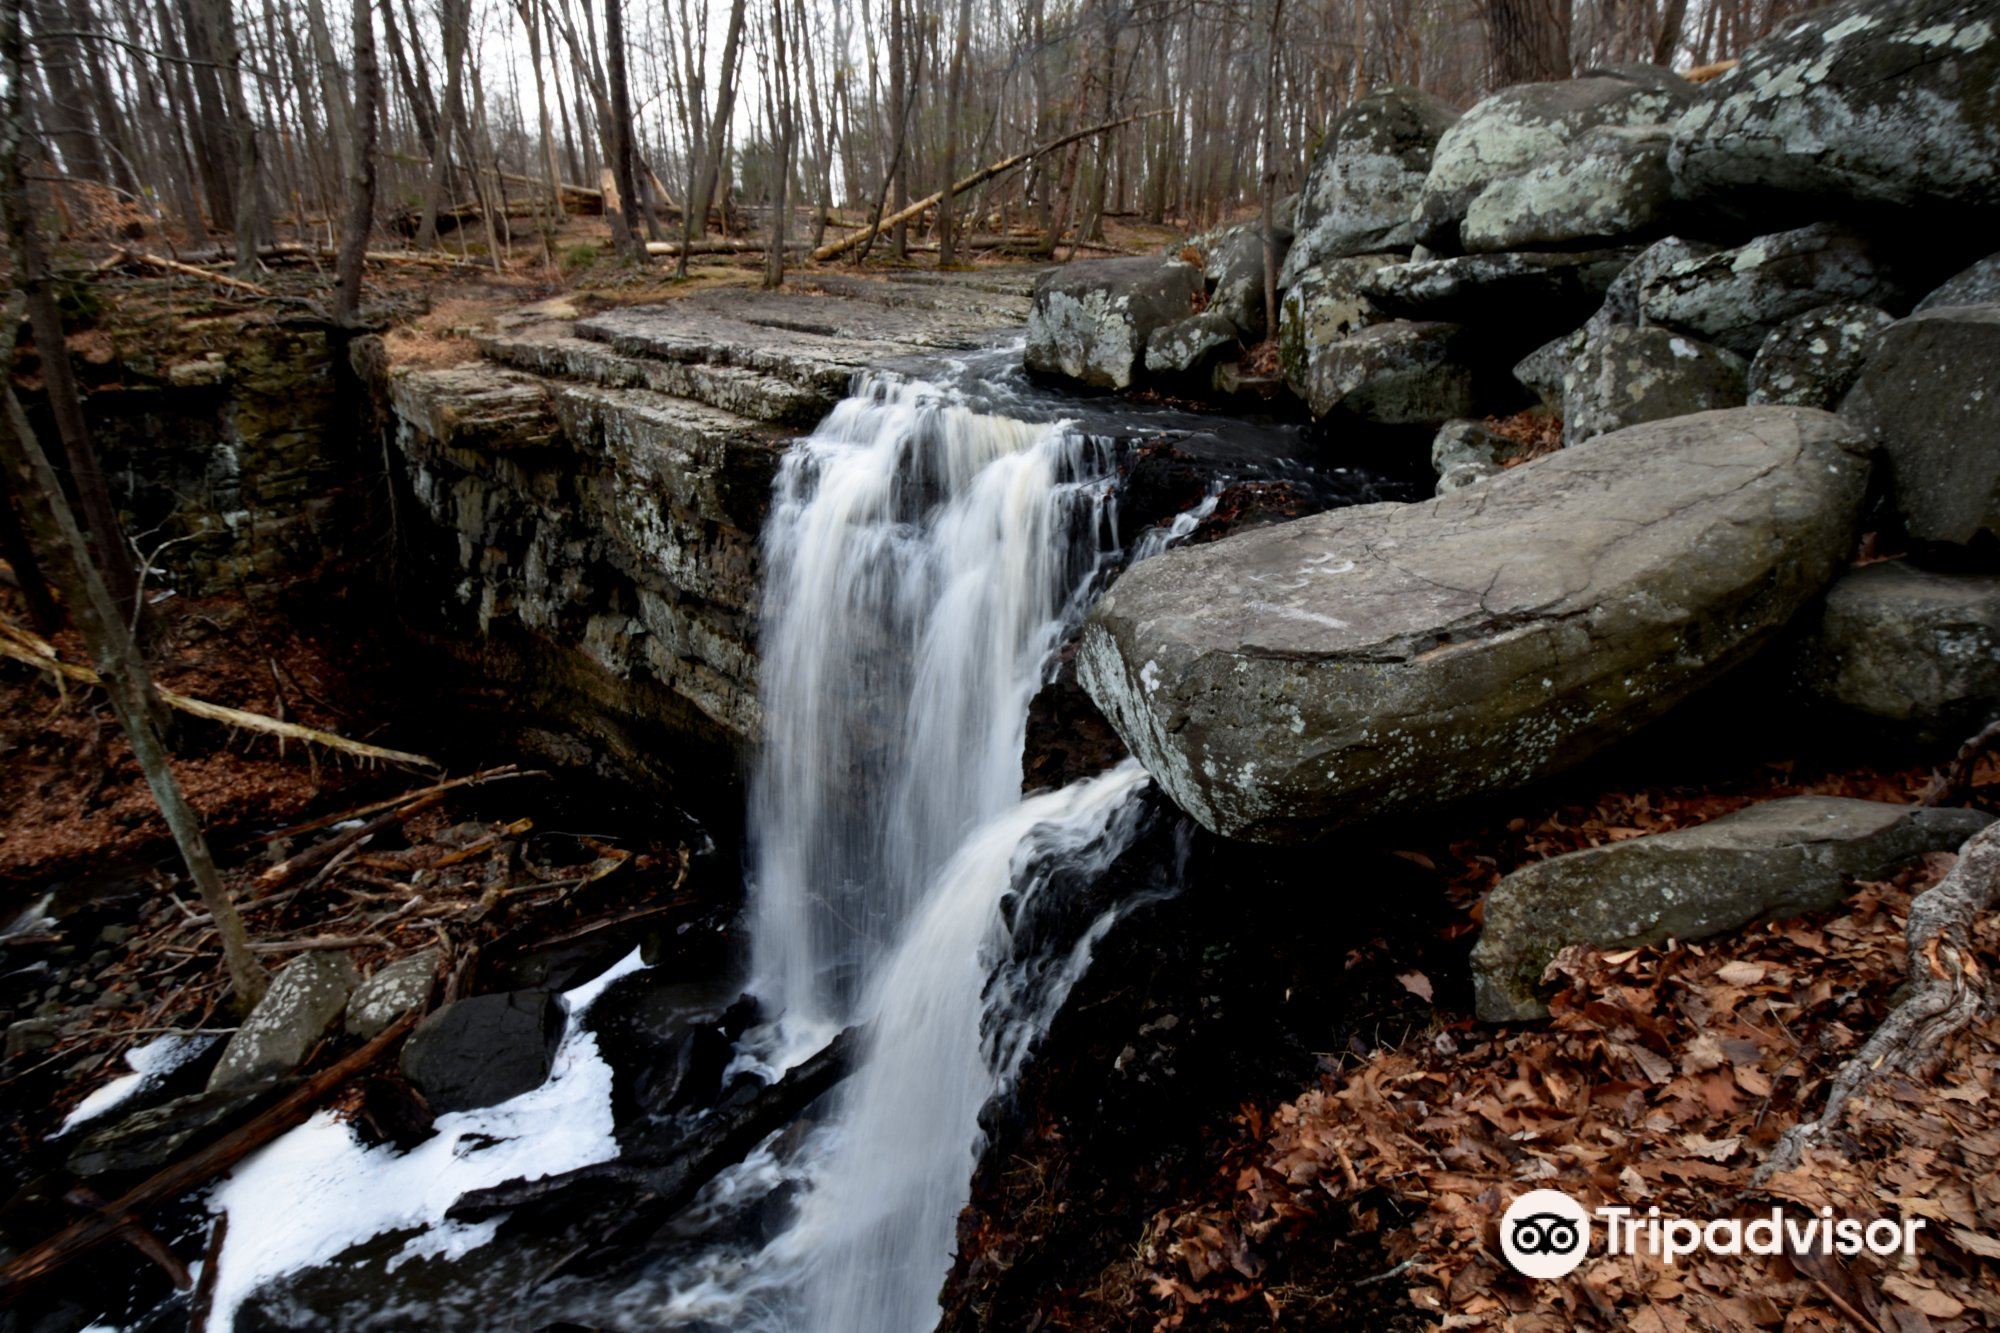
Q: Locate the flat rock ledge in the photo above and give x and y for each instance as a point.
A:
(1779, 858)
(1384, 659)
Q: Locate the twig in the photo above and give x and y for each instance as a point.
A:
(1951, 784)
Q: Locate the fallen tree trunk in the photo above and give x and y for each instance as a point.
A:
(26, 648)
(979, 177)
(645, 1192)
(1945, 994)
(711, 247)
(115, 1218)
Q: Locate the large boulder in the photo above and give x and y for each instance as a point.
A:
(1910, 647)
(483, 1050)
(1812, 360)
(1622, 376)
(1233, 269)
(1523, 295)
(1465, 453)
(1091, 320)
(1610, 185)
(1893, 103)
(1383, 659)
(390, 992)
(1736, 297)
(1779, 858)
(1365, 179)
(1323, 306)
(1404, 372)
(1928, 396)
(298, 1007)
(1978, 284)
(1190, 346)
(1519, 128)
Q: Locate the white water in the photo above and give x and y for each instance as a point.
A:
(923, 562)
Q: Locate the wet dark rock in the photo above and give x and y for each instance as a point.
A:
(1913, 648)
(1366, 178)
(1519, 128)
(1383, 659)
(1813, 360)
(1067, 737)
(1927, 397)
(1891, 104)
(667, 1043)
(1779, 858)
(1624, 376)
(1254, 504)
(155, 1136)
(483, 1050)
(1734, 298)
(1091, 320)
(1977, 285)
(303, 1000)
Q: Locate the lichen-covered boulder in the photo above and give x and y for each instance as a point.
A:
(1518, 128)
(1544, 370)
(1091, 320)
(1233, 266)
(1886, 103)
(298, 1007)
(1611, 184)
(1365, 179)
(1736, 297)
(1465, 453)
(1928, 396)
(1522, 293)
(1915, 648)
(1623, 376)
(1978, 284)
(1811, 360)
(1779, 858)
(1385, 659)
(1400, 373)
(1323, 306)
(1191, 345)
(390, 992)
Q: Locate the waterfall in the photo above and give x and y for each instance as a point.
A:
(924, 561)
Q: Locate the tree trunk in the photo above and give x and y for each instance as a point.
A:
(1528, 40)
(624, 223)
(946, 246)
(361, 198)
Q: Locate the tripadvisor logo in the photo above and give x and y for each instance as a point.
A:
(1546, 1234)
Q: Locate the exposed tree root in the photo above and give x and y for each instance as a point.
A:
(1953, 782)
(1947, 991)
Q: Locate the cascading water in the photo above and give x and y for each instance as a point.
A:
(923, 562)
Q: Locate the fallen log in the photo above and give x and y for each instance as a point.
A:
(31, 650)
(655, 1188)
(166, 265)
(1946, 992)
(115, 1218)
(979, 177)
(672, 249)
(321, 852)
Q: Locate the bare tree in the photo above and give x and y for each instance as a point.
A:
(361, 199)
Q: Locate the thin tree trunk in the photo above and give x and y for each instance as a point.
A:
(624, 224)
(947, 248)
(361, 199)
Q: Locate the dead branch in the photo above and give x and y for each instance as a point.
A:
(408, 798)
(979, 177)
(31, 650)
(115, 1218)
(1952, 783)
(1945, 994)
(189, 270)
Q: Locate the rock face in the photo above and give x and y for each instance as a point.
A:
(1233, 267)
(1091, 320)
(1812, 360)
(1927, 396)
(390, 992)
(1518, 129)
(1609, 185)
(302, 1002)
(1523, 294)
(586, 502)
(1736, 297)
(1323, 306)
(482, 1051)
(1187, 346)
(1366, 178)
(1910, 647)
(1779, 858)
(1382, 659)
(1403, 372)
(1977, 285)
(1895, 104)
(1624, 376)
(1465, 453)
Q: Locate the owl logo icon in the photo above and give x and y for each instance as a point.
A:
(1545, 1234)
